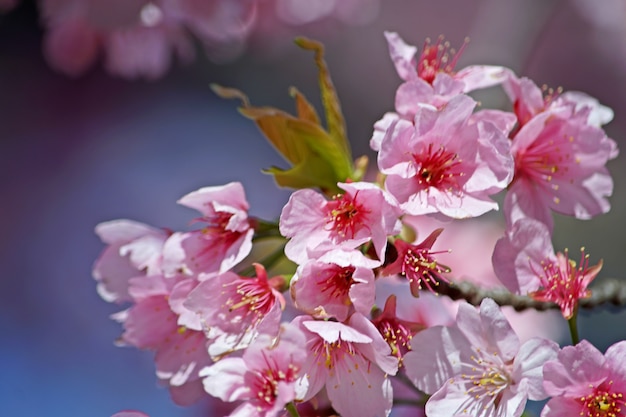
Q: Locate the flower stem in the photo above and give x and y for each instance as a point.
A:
(269, 261)
(573, 327)
(292, 410)
(265, 229)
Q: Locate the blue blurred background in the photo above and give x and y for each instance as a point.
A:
(75, 152)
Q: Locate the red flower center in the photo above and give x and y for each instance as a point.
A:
(338, 283)
(603, 403)
(438, 168)
(345, 216)
(438, 57)
(420, 266)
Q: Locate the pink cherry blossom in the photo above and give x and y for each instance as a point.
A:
(315, 226)
(152, 324)
(264, 377)
(445, 163)
(529, 100)
(224, 241)
(238, 307)
(525, 262)
(396, 331)
(352, 361)
(478, 365)
(438, 60)
(559, 165)
(333, 289)
(560, 154)
(470, 244)
(134, 250)
(584, 382)
(417, 264)
(430, 79)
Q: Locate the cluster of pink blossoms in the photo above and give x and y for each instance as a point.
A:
(142, 38)
(219, 325)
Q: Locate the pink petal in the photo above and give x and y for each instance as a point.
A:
(476, 77)
(528, 364)
(435, 357)
(574, 371)
(71, 47)
(225, 379)
(402, 55)
(562, 407)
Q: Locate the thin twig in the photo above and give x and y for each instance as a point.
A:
(607, 291)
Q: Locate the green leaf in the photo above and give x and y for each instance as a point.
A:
(319, 157)
(330, 101)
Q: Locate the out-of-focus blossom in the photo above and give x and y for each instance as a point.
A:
(582, 381)
(351, 360)
(134, 250)
(6, 5)
(478, 365)
(137, 38)
(300, 12)
(525, 262)
(152, 324)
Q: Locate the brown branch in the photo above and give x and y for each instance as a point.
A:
(606, 291)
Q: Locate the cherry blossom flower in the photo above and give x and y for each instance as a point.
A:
(238, 307)
(525, 262)
(478, 365)
(264, 377)
(222, 243)
(352, 360)
(327, 290)
(315, 226)
(470, 245)
(444, 163)
(529, 100)
(417, 263)
(584, 382)
(396, 331)
(152, 324)
(435, 66)
(134, 249)
(430, 79)
(560, 155)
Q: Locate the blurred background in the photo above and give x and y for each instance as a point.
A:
(76, 150)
